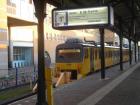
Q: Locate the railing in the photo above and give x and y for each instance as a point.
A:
(18, 76)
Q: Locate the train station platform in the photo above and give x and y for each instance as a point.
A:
(118, 88)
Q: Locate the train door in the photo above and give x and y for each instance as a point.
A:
(106, 56)
(95, 59)
(110, 62)
(86, 62)
(91, 59)
(115, 56)
(98, 63)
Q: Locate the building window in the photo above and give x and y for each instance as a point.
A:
(22, 57)
(18, 53)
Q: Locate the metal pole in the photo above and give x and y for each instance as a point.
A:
(16, 76)
(131, 32)
(102, 53)
(138, 53)
(135, 48)
(121, 53)
(135, 51)
(130, 53)
(9, 48)
(41, 65)
(40, 9)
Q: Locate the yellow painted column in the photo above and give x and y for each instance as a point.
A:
(49, 86)
(3, 14)
(3, 38)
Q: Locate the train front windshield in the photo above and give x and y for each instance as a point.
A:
(68, 55)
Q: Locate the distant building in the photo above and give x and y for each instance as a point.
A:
(16, 34)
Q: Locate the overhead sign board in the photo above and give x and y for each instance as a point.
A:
(82, 18)
(138, 43)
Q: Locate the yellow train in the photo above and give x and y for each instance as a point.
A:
(82, 58)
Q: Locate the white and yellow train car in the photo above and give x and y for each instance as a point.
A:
(83, 58)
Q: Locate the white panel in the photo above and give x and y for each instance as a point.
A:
(23, 44)
(18, 34)
(139, 43)
(3, 59)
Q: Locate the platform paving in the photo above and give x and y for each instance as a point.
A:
(126, 93)
(81, 91)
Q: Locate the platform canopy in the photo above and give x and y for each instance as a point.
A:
(127, 12)
(13, 22)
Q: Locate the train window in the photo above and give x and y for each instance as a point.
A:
(99, 52)
(113, 53)
(86, 53)
(106, 54)
(109, 53)
(118, 53)
(69, 53)
(95, 53)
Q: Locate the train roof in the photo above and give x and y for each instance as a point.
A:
(75, 42)
(109, 46)
(117, 47)
(65, 45)
(71, 45)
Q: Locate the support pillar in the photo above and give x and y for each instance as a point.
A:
(138, 53)
(9, 48)
(121, 53)
(40, 12)
(130, 52)
(132, 32)
(102, 53)
(135, 49)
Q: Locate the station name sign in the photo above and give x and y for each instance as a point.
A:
(83, 18)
